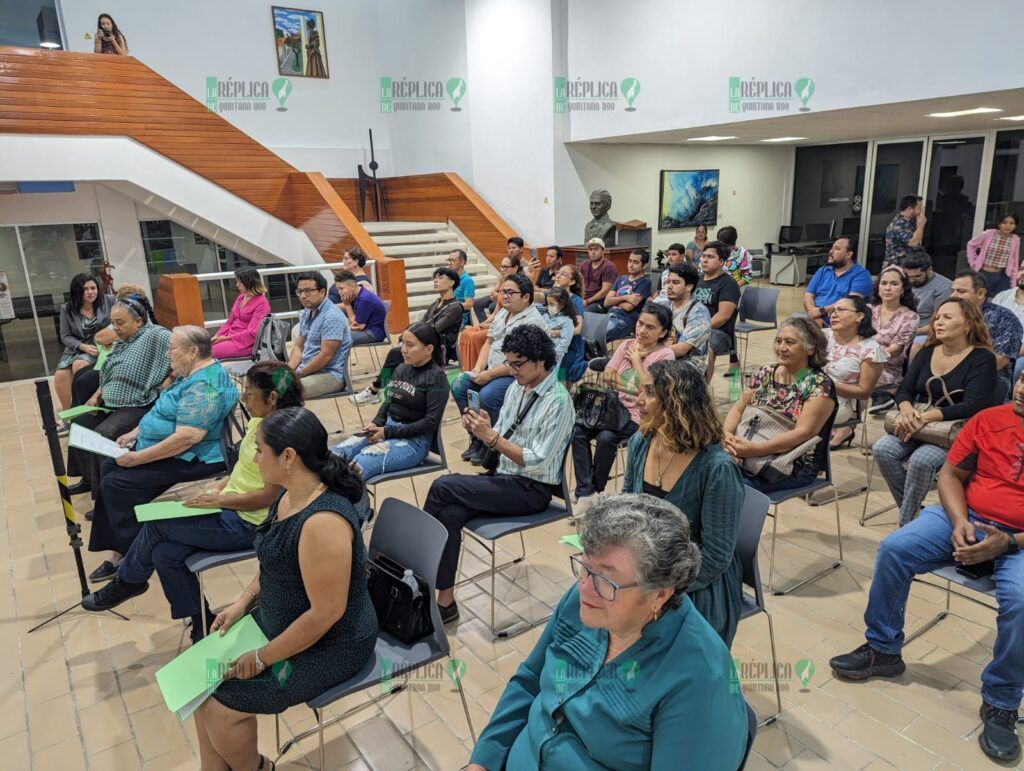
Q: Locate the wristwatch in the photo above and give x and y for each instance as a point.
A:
(260, 666)
(1013, 547)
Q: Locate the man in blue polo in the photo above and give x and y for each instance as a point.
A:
(841, 277)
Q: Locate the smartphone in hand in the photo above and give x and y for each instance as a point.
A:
(473, 397)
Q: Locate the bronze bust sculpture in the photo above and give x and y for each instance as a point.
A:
(601, 226)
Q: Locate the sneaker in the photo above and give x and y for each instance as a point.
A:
(477, 458)
(449, 613)
(998, 737)
(113, 594)
(731, 372)
(89, 515)
(474, 447)
(104, 572)
(80, 488)
(63, 429)
(866, 662)
(881, 402)
(366, 396)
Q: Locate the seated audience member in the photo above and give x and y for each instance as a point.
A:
(980, 520)
(738, 266)
(574, 361)
(321, 348)
(840, 278)
(798, 387)
(563, 323)
(243, 498)
(905, 233)
(85, 313)
(367, 313)
(598, 274)
(695, 248)
(691, 320)
(491, 375)
(624, 373)
(465, 289)
(628, 631)
(530, 465)
(676, 254)
(400, 434)
(958, 352)
(485, 307)
(546, 277)
(855, 360)
(178, 440)
(128, 384)
(894, 317)
(444, 315)
(1003, 325)
(721, 294)
(353, 260)
(677, 455)
(1013, 300)
(628, 295)
(995, 254)
(931, 289)
(235, 338)
(310, 595)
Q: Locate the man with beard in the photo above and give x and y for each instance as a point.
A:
(841, 277)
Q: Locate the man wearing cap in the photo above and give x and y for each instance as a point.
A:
(598, 276)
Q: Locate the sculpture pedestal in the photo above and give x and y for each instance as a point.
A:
(619, 255)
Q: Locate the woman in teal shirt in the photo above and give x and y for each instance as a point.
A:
(178, 440)
(677, 455)
(627, 674)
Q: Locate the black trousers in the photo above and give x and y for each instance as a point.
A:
(114, 525)
(592, 471)
(109, 424)
(83, 385)
(455, 499)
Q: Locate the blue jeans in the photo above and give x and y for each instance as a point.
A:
(491, 395)
(388, 455)
(165, 545)
(925, 545)
(619, 327)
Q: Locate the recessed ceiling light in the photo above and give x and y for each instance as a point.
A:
(783, 139)
(1012, 117)
(712, 138)
(958, 113)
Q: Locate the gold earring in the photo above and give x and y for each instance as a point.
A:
(655, 614)
(289, 470)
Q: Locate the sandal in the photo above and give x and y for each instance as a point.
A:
(263, 764)
(836, 444)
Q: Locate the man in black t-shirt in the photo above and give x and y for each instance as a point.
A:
(720, 292)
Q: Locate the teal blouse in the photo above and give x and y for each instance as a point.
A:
(710, 493)
(670, 696)
(203, 400)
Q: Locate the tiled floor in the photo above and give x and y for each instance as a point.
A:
(80, 693)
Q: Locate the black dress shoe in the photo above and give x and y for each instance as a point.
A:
(89, 515)
(449, 613)
(113, 594)
(866, 662)
(478, 458)
(474, 446)
(104, 572)
(79, 488)
(998, 737)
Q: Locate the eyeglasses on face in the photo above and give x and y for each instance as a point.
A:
(606, 588)
(515, 366)
(509, 292)
(304, 292)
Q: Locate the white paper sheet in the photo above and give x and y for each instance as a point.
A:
(88, 440)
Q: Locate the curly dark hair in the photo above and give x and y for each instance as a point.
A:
(532, 343)
(907, 299)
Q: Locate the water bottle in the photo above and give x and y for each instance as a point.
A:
(734, 387)
(410, 580)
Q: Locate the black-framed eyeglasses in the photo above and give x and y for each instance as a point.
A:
(515, 366)
(509, 292)
(304, 292)
(606, 588)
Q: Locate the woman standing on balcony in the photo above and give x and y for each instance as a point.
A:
(109, 39)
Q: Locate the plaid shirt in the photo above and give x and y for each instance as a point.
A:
(136, 367)
(998, 253)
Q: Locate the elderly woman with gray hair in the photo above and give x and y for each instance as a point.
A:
(178, 440)
(627, 674)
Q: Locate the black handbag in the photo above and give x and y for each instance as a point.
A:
(599, 409)
(401, 612)
(492, 456)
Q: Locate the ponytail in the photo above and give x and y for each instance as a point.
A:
(341, 476)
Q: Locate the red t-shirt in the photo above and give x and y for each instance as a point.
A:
(593, 277)
(992, 443)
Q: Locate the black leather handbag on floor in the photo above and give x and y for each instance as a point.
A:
(402, 612)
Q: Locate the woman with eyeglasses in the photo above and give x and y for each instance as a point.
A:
(627, 674)
(485, 310)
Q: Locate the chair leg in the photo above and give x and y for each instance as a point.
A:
(864, 516)
(338, 408)
(938, 617)
(494, 573)
(771, 561)
(320, 733)
(202, 603)
(775, 670)
(465, 704)
(415, 494)
(820, 573)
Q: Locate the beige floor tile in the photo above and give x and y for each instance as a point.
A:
(52, 722)
(886, 743)
(14, 750)
(122, 757)
(157, 731)
(105, 725)
(438, 747)
(66, 756)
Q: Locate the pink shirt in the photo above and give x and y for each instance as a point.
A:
(978, 246)
(901, 328)
(620, 363)
(844, 360)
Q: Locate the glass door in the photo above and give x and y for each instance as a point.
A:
(896, 173)
(20, 354)
(951, 198)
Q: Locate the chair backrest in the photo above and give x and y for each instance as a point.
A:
(759, 303)
(415, 540)
(228, 445)
(437, 444)
(822, 453)
(752, 515)
(566, 493)
(595, 329)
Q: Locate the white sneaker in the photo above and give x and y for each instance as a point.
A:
(366, 396)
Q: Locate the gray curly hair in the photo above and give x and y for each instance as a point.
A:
(655, 531)
(812, 339)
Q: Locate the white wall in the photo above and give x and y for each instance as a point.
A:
(754, 187)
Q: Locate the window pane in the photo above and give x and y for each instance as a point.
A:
(950, 201)
(1006, 187)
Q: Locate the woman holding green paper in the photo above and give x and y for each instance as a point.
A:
(243, 498)
(314, 606)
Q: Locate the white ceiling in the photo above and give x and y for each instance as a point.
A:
(902, 119)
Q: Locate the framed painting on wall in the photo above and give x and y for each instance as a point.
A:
(301, 43)
(688, 199)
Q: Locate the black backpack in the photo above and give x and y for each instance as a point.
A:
(271, 337)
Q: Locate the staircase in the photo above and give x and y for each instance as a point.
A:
(424, 247)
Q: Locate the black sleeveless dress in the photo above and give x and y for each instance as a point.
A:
(335, 657)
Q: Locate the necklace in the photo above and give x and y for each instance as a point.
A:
(309, 499)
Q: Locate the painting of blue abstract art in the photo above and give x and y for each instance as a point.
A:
(688, 199)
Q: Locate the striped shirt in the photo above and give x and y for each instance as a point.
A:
(543, 433)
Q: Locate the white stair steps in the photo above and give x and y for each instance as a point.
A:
(411, 250)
